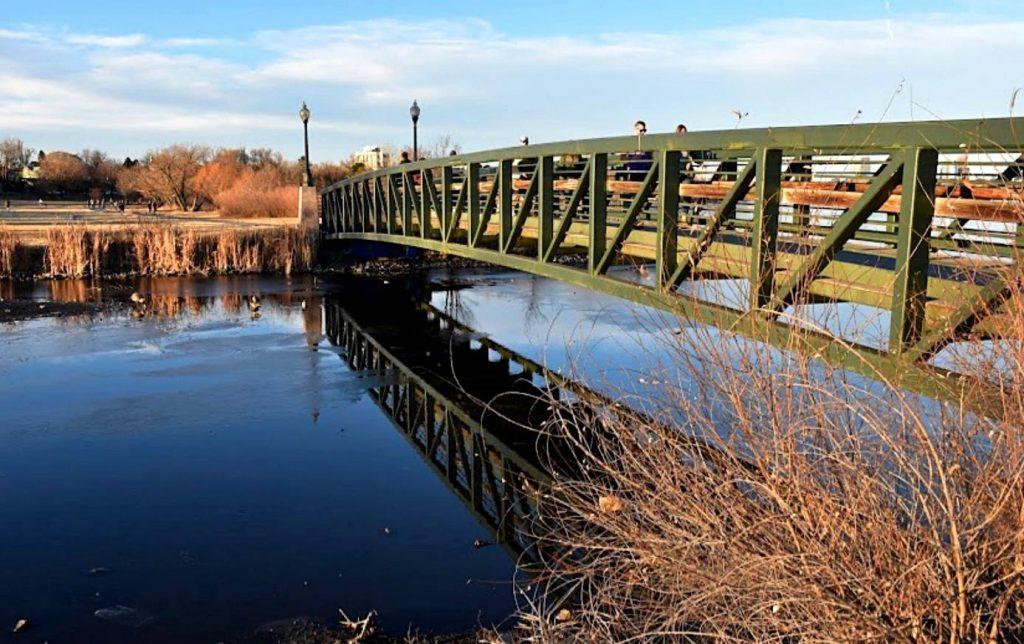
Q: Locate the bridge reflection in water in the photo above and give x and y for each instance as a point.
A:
(465, 403)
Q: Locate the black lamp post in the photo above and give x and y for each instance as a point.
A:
(307, 176)
(414, 112)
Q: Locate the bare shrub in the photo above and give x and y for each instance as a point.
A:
(63, 172)
(770, 498)
(258, 193)
(167, 175)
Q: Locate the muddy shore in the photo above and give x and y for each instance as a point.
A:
(302, 630)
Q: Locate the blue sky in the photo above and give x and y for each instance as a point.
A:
(129, 76)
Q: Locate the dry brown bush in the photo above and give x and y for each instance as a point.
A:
(259, 193)
(217, 176)
(63, 172)
(769, 498)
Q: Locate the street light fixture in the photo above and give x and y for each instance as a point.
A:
(307, 176)
(414, 112)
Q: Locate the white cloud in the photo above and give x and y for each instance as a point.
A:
(113, 42)
(196, 42)
(487, 87)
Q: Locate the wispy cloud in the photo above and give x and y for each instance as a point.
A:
(112, 42)
(196, 42)
(487, 87)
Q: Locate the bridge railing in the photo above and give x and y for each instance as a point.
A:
(914, 219)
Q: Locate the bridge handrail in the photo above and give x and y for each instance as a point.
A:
(974, 135)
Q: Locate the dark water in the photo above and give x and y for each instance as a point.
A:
(223, 470)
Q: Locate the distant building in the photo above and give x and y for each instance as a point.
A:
(30, 173)
(372, 157)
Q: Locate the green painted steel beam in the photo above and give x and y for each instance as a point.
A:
(914, 375)
(525, 205)
(545, 205)
(408, 201)
(765, 232)
(973, 134)
(472, 189)
(622, 232)
(888, 268)
(447, 213)
(668, 217)
(598, 226)
(505, 213)
(725, 210)
(840, 233)
(571, 210)
(910, 284)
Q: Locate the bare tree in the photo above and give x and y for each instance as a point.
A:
(261, 157)
(168, 175)
(444, 145)
(102, 170)
(13, 156)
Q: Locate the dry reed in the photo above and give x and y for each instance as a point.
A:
(78, 251)
(8, 251)
(770, 498)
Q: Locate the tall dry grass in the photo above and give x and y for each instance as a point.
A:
(769, 498)
(78, 251)
(8, 251)
(258, 194)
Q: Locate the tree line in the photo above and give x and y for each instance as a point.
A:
(184, 177)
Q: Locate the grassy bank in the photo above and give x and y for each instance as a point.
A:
(76, 250)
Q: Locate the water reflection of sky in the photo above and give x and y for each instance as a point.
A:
(227, 474)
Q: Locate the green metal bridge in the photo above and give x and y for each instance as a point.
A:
(920, 222)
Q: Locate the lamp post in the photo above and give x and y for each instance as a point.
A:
(414, 112)
(307, 176)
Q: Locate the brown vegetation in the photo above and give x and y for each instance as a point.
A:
(79, 251)
(258, 193)
(238, 183)
(769, 498)
(63, 171)
(167, 175)
(256, 183)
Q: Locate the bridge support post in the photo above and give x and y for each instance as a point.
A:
(473, 201)
(505, 214)
(376, 204)
(666, 254)
(598, 225)
(446, 202)
(765, 231)
(545, 205)
(407, 193)
(426, 216)
(389, 204)
(346, 208)
(361, 206)
(913, 243)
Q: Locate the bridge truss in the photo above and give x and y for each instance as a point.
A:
(919, 222)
